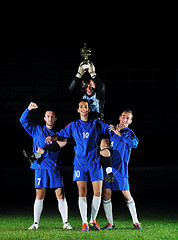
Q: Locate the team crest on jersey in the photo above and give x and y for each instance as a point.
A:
(112, 143)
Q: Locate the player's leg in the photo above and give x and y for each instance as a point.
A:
(96, 202)
(63, 207)
(132, 208)
(106, 159)
(80, 176)
(96, 176)
(56, 182)
(41, 180)
(82, 202)
(38, 207)
(107, 205)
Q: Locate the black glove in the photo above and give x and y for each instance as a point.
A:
(30, 156)
(110, 177)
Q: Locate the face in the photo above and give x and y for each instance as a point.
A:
(125, 119)
(90, 88)
(83, 109)
(50, 118)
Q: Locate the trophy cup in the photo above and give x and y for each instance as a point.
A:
(85, 52)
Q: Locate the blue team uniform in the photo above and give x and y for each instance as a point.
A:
(121, 150)
(51, 164)
(87, 135)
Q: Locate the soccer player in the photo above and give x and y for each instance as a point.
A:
(87, 85)
(46, 169)
(87, 164)
(122, 140)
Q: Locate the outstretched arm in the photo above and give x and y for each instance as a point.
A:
(53, 147)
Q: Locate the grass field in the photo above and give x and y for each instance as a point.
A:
(159, 221)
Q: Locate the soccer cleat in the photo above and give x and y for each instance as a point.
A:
(109, 227)
(138, 226)
(34, 226)
(94, 226)
(30, 156)
(67, 225)
(110, 177)
(85, 227)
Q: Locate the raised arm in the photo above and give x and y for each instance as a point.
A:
(25, 118)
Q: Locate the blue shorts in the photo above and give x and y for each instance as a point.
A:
(84, 172)
(42, 176)
(119, 184)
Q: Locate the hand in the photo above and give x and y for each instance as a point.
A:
(32, 106)
(40, 150)
(116, 131)
(81, 71)
(48, 139)
(91, 70)
(112, 128)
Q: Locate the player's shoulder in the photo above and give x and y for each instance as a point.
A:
(129, 131)
(72, 124)
(100, 123)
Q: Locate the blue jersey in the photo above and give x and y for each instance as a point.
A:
(87, 135)
(121, 150)
(39, 134)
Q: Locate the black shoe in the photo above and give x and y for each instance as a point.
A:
(30, 156)
(110, 177)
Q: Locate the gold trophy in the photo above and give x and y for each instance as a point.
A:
(85, 52)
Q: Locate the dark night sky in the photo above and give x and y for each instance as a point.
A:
(138, 66)
(136, 59)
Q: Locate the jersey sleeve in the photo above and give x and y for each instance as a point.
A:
(104, 128)
(26, 123)
(130, 138)
(66, 132)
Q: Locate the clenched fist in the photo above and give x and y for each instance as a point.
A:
(32, 106)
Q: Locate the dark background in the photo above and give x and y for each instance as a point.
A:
(141, 74)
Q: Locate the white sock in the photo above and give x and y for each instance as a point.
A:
(132, 209)
(95, 207)
(107, 205)
(82, 202)
(63, 209)
(38, 207)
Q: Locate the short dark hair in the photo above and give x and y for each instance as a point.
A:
(84, 100)
(128, 111)
(51, 110)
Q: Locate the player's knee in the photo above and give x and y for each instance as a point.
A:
(97, 193)
(105, 152)
(40, 196)
(59, 193)
(106, 194)
(40, 193)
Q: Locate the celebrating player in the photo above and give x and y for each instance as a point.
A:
(86, 134)
(91, 88)
(47, 168)
(122, 140)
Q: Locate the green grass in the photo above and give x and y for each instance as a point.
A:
(156, 225)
